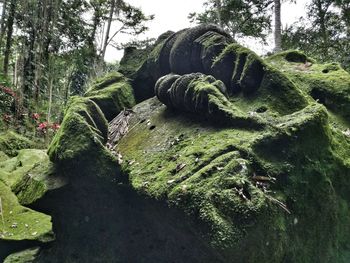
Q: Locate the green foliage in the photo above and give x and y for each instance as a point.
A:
(240, 18)
(324, 34)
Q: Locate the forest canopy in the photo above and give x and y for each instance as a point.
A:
(52, 49)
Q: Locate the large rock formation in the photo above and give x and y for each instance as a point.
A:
(235, 159)
(24, 179)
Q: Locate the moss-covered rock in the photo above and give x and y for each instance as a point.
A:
(25, 179)
(25, 256)
(265, 180)
(328, 84)
(21, 223)
(29, 175)
(203, 95)
(182, 52)
(261, 193)
(11, 143)
(133, 58)
(79, 146)
(112, 93)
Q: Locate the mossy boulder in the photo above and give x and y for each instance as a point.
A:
(203, 95)
(112, 93)
(133, 57)
(29, 175)
(184, 56)
(11, 142)
(263, 194)
(276, 191)
(21, 223)
(24, 180)
(186, 51)
(328, 83)
(245, 148)
(79, 146)
(25, 256)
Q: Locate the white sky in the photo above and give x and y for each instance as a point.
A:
(172, 15)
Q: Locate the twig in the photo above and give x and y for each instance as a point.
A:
(2, 213)
(279, 203)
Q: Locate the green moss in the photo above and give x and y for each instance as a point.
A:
(3, 156)
(328, 84)
(252, 73)
(203, 95)
(210, 173)
(105, 81)
(205, 50)
(29, 175)
(79, 145)
(132, 60)
(25, 256)
(296, 56)
(21, 223)
(112, 94)
(11, 143)
(254, 86)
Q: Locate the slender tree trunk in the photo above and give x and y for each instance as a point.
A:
(29, 69)
(50, 99)
(3, 23)
(218, 8)
(323, 27)
(109, 23)
(10, 21)
(278, 26)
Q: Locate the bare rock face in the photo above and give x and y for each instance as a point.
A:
(227, 157)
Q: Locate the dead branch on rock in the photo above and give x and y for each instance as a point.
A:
(279, 203)
(119, 127)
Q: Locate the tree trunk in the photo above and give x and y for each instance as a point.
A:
(109, 23)
(28, 69)
(3, 23)
(50, 99)
(218, 8)
(10, 21)
(278, 26)
(322, 19)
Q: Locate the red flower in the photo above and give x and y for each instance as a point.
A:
(35, 116)
(42, 127)
(55, 126)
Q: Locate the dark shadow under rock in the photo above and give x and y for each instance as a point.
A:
(97, 221)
